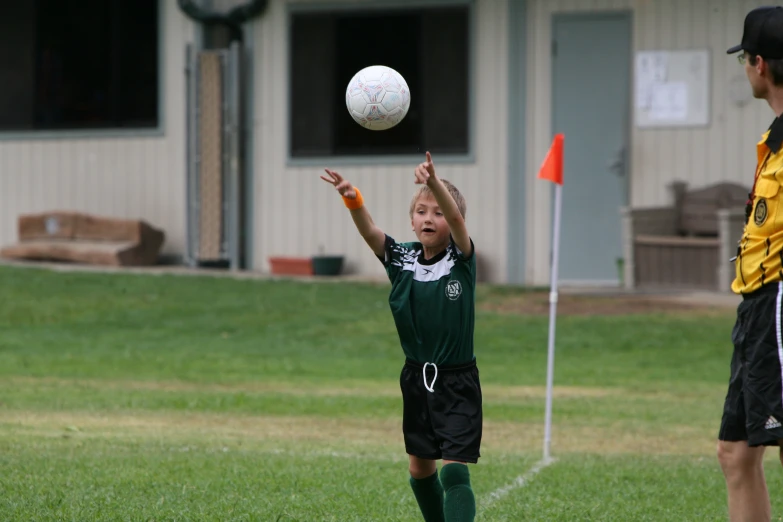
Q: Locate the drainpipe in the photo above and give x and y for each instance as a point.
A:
(233, 19)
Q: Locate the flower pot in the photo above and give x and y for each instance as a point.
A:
(327, 265)
(621, 271)
(291, 265)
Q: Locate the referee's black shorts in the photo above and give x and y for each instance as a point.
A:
(753, 409)
(444, 423)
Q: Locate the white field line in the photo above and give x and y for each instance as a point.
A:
(519, 482)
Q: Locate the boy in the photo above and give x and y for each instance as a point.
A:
(432, 301)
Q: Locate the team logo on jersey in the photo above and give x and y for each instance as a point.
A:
(453, 290)
(760, 216)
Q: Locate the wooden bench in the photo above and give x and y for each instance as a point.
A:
(688, 244)
(84, 238)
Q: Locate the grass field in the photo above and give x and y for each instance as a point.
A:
(127, 397)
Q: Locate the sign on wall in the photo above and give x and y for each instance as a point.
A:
(672, 88)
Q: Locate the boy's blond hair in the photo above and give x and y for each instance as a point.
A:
(425, 191)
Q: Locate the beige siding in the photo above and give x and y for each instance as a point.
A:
(721, 151)
(133, 177)
(724, 149)
(297, 214)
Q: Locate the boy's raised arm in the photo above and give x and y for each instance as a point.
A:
(352, 197)
(425, 174)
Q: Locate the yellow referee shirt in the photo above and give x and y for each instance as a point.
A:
(760, 253)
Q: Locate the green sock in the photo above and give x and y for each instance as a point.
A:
(460, 503)
(429, 495)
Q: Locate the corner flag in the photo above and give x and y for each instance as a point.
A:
(552, 170)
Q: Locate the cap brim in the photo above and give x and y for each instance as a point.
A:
(735, 49)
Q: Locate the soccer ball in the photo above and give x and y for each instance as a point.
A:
(377, 97)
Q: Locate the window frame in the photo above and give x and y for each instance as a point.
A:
(67, 134)
(380, 159)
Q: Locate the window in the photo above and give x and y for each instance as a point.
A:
(429, 47)
(78, 64)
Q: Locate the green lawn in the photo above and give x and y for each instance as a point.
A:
(130, 397)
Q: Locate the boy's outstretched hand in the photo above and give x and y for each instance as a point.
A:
(425, 171)
(373, 236)
(343, 186)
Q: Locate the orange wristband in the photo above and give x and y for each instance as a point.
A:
(354, 203)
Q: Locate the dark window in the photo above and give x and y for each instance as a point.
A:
(429, 47)
(78, 64)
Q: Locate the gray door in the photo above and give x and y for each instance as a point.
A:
(590, 96)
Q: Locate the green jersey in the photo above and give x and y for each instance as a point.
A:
(432, 301)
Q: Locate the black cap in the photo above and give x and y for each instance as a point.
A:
(763, 34)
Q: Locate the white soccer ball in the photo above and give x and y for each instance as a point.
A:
(377, 97)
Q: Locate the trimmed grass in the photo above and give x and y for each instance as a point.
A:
(129, 397)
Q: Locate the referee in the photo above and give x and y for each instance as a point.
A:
(753, 409)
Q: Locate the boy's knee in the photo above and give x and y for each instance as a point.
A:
(421, 468)
(453, 475)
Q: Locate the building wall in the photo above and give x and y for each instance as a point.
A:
(722, 151)
(128, 176)
(295, 213)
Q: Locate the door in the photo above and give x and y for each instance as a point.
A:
(590, 95)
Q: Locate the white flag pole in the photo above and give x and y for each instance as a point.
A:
(550, 369)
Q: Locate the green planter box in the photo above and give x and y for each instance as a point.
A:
(327, 265)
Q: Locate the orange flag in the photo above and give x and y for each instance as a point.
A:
(552, 167)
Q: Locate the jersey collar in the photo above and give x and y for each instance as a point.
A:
(434, 259)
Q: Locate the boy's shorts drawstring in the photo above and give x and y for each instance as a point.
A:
(430, 387)
(445, 369)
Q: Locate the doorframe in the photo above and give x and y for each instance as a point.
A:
(247, 89)
(516, 176)
(628, 16)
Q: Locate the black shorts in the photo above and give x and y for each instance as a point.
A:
(753, 409)
(444, 423)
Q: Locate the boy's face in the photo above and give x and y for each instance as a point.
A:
(428, 222)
